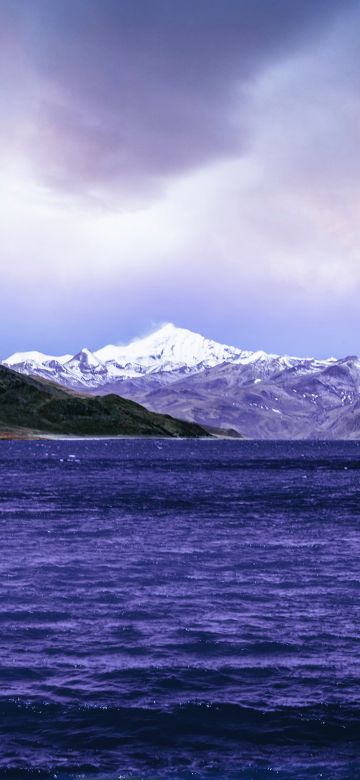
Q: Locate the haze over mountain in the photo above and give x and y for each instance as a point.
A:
(177, 372)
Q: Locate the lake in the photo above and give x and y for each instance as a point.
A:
(179, 609)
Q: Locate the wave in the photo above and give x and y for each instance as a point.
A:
(108, 726)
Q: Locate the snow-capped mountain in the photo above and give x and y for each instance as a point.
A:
(175, 371)
(170, 352)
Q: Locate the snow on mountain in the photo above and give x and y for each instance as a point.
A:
(38, 358)
(85, 364)
(263, 364)
(38, 364)
(170, 351)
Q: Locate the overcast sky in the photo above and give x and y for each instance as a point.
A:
(193, 161)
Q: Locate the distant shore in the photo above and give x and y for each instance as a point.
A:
(8, 436)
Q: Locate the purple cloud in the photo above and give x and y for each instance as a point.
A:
(186, 161)
(120, 94)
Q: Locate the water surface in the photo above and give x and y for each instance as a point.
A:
(179, 609)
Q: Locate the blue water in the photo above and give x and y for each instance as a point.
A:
(179, 609)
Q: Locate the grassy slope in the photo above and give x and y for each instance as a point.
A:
(30, 405)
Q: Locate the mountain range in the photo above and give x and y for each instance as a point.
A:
(174, 371)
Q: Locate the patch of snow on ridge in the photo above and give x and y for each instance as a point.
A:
(34, 357)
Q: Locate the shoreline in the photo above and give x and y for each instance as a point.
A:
(71, 437)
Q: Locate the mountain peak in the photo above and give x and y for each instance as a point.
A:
(168, 328)
(165, 332)
(86, 360)
(168, 349)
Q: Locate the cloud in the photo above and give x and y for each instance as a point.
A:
(192, 165)
(113, 97)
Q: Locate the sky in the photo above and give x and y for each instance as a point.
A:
(191, 161)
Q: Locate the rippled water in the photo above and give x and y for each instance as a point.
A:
(179, 609)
